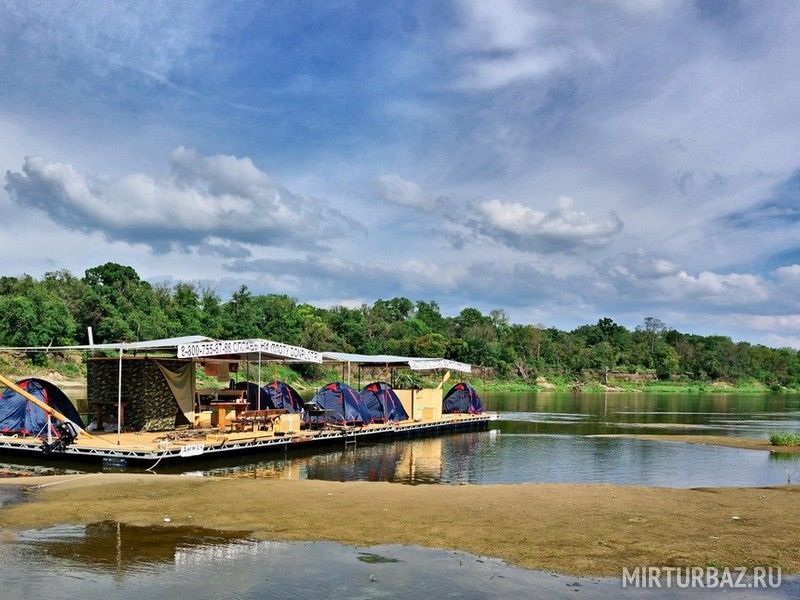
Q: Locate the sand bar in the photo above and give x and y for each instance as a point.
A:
(709, 440)
(593, 529)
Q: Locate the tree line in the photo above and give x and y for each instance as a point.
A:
(119, 306)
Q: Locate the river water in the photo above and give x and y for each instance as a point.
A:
(112, 560)
(547, 437)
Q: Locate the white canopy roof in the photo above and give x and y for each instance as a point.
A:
(197, 346)
(162, 344)
(413, 363)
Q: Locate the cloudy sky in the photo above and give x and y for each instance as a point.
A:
(561, 160)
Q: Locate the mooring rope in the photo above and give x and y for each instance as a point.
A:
(155, 464)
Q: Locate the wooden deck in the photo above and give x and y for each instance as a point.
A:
(184, 445)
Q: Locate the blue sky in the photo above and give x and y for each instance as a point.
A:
(563, 161)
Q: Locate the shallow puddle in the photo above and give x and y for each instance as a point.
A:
(108, 559)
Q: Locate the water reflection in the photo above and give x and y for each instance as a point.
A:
(418, 461)
(752, 415)
(107, 559)
(109, 545)
(505, 455)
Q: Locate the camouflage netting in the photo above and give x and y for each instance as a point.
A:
(150, 402)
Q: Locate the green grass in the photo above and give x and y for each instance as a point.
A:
(784, 438)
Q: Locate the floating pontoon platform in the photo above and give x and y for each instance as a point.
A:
(142, 449)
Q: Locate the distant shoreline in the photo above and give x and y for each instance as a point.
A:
(589, 529)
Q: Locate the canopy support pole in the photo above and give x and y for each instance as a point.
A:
(259, 380)
(119, 398)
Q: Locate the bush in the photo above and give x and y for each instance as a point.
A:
(784, 438)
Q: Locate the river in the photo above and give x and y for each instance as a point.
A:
(546, 437)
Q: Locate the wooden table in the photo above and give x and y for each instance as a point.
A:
(223, 408)
(205, 397)
(256, 418)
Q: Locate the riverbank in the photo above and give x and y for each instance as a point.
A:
(593, 386)
(576, 529)
(75, 387)
(710, 440)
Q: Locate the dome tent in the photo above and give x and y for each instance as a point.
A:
(462, 398)
(382, 403)
(343, 404)
(282, 395)
(251, 389)
(274, 395)
(19, 415)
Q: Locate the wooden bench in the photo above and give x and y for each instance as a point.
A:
(256, 418)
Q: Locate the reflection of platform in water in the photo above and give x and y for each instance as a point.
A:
(449, 458)
(121, 547)
(421, 461)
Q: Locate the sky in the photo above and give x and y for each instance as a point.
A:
(563, 161)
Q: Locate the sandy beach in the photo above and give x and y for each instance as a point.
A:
(710, 440)
(577, 529)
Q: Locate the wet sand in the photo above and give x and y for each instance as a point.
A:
(711, 440)
(589, 529)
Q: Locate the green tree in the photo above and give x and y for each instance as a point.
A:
(38, 318)
(432, 345)
(604, 358)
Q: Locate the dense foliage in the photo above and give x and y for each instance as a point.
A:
(119, 305)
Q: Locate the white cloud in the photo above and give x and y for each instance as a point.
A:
(771, 322)
(731, 288)
(499, 25)
(777, 340)
(563, 228)
(655, 280)
(789, 273)
(320, 277)
(393, 188)
(149, 37)
(507, 41)
(223, 197)
(640, 265)
(498, 72)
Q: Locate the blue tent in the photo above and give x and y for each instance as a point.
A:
(382, 403)
(18, 415)
(282, 395)
(273, 395)
(462, 398)
(343, 404)
(252, 394)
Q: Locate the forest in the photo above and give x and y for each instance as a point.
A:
(119, 306)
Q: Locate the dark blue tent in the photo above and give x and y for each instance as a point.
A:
(343, 404)
(252, 394)
(18, 415)
(273, 395)
(462, 398)
(382, 403)
(282, 395)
